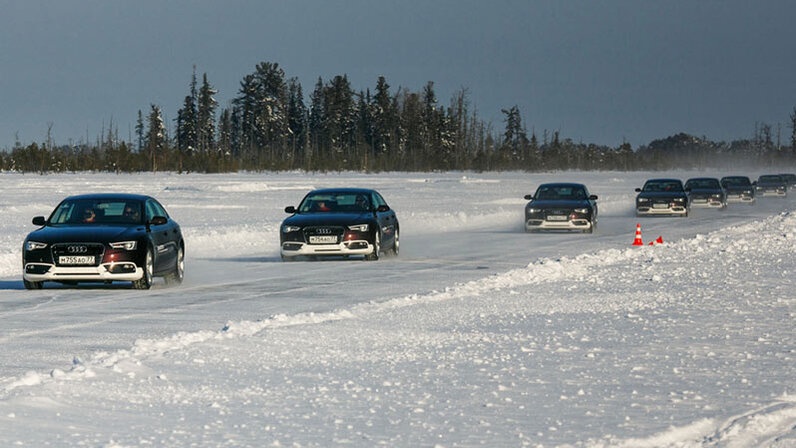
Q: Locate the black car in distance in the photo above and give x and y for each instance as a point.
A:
(104, 238)
(341, 222)
(771, 185)
(790, 180)
(662, 197)
(705, 192)
(738, 189)
(561, 206)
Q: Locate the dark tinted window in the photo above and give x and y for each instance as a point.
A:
(735, 181)
(560, 192)
(343, 202)
(96, 211)
(658, 186)
(703, 183)
(768, 179)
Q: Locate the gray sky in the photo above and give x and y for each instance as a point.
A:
(599, 71)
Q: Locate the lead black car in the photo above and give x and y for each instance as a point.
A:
(104, 238)
(345, 222)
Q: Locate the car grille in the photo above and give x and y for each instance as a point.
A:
(323, 231)
(78, 249)
(558, 211)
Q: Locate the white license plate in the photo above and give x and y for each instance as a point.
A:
(660, 205)
(557, 218)
(76, 259)
(323, 239)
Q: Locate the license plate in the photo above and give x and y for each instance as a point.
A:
(699, 201)
(76, 259)
(557, 218)
(660, 205)
(323, 239)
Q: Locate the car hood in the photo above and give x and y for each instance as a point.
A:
(86, 234)
(558, 204)
(661, 194)
(328, 219)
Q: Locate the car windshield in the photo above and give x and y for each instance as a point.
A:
(560, 192)
(342, 202)
(770, 179)
(659, 186)
(735, 182)
(97, 211)
(788, 177)
(708, 184)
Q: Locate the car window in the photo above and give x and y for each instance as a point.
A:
(97, 211)
(702, 183)
(336, 202)
(662, 186)
(735, 182)
(158, 209)
(770, 179)
(560, 192)
(379, 200)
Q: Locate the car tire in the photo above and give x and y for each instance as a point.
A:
(145, 282)
(591, 228)
(396, 245)
(373, 256)
(32, 285)
(178, 274)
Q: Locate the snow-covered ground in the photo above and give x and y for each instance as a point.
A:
(477, 334)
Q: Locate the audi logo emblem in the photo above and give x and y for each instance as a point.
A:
(324, 231)
(77, 249)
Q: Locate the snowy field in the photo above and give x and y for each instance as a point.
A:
(476, 335)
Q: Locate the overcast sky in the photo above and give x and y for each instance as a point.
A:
(598, 71)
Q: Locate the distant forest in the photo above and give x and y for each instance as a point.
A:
(269, 126)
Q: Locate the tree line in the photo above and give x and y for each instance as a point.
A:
(269, 126)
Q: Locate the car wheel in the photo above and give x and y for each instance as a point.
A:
(373, 256)
(176, 277)
(145, 282)
(396, 247)
(591, 228)
(33, 285)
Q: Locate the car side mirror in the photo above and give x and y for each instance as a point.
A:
(593, 197)
(39, 221)
(638, 190)
(688, 190)
(158, 220)
(290, 209)
(754, 183)
(383, 208)
(528, 197)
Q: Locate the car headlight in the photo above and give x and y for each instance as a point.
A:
(534, 210)
(679, 199)
(288, 229)
(126, 245)
(717, 196)
(643, 199)
(581, 210)
(33, 245)
(747, 191)
(359, 228)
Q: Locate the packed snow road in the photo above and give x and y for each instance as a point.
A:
(456, 229)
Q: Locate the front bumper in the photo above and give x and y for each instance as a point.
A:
(571, 224)
(772, 193)
(352, 247)
(44, 272)
(739, 198)
(671, 210)
(707, 203)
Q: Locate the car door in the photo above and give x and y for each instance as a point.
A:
(593, 203)
(387, 221)
(165, 248)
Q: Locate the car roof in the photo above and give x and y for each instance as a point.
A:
(343, 190)
(702, 178)
(735, 177)
(562, 184)
(122, 196)
(664, 179)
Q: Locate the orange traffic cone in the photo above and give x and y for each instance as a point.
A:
(637, 241)
(658, 241)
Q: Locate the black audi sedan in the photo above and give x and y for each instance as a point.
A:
(738, 189)
(561, 206)
(771, 185)
(790, 180)
(104, 238)
(662, 197)
(349, 221)
(705, 192)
